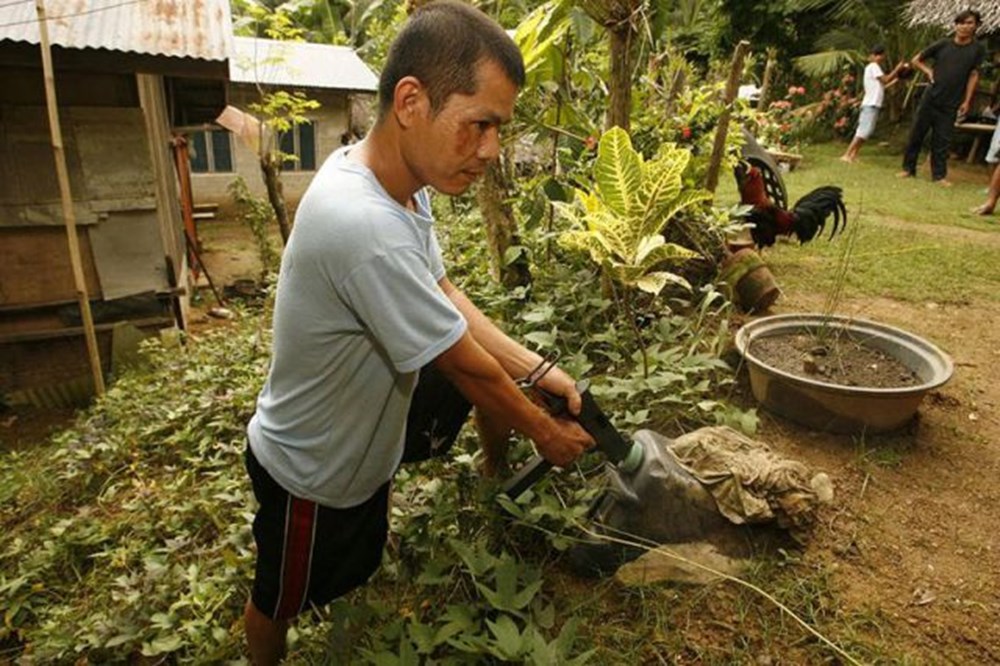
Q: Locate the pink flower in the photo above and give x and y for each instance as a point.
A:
(801, 90)
(686, 133)
(590, 143)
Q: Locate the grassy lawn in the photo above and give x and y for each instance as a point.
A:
(916, 241)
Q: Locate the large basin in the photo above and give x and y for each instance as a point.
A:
(833, 407)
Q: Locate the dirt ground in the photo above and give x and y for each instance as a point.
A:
(913, 535)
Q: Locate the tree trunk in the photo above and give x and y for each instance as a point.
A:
(275, 194)
(501, 228)
(620, 107)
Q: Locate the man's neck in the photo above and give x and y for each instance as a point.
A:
(380, 152)
(962, 41)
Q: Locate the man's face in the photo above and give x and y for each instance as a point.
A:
(966, 28)
(451, 149)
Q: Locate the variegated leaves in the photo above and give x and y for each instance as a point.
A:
(619, 224)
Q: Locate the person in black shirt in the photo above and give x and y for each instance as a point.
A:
(952, 83)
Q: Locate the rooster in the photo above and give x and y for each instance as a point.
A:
(806, 219)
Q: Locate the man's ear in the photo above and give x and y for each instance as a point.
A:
(409, 100)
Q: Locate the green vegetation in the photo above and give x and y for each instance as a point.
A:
(128, 535)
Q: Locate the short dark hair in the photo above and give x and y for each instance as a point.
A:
(969, 13)
(878, 49)
(442, 45)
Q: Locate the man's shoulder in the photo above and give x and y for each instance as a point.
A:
(934, 47)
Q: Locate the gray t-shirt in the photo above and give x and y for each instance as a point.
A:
(358, 313)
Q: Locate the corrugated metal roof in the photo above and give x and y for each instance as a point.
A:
(200, 29)
(300, 64)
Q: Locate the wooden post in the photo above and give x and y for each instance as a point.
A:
(67, 201)
(722, 131)
(765, 84)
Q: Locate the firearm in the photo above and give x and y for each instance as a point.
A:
(627, 455)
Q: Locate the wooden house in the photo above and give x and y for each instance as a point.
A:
(125, 74)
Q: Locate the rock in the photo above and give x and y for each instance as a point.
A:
(698, 563)
(823, 487)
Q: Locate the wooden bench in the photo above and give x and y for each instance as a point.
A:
(205, 211)
(980, 130)
(791, 159)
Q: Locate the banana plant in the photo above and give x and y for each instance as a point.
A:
(620, 222)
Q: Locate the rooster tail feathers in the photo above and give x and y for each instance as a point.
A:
(813, 209)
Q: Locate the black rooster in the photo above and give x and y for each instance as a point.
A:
(806, 219)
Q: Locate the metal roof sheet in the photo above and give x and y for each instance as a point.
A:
(200, 29)
(300, 64)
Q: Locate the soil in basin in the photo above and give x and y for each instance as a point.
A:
(838, 358)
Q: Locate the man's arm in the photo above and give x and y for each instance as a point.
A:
(970, 90)
(890, 78)
(513, 357)
(918, 63)
(482, 380)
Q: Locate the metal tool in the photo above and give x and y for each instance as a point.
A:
(627, 455)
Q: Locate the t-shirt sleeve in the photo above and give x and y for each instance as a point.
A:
(932, 50)
(398, 299)
(872, 72)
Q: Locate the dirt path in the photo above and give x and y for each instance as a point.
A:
(954, 233)
(913, 540)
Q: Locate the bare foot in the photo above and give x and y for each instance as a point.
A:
(943, 182)
(846, 158)
(905, 174)
(983, 210)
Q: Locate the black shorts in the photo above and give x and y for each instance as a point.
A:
(309, 554)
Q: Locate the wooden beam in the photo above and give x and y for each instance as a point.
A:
(722, 131)
(67, 200)
(75, 331)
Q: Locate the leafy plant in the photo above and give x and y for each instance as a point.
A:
(623, 217)
(258, 216)
(279, 110)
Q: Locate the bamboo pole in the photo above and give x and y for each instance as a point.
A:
(722, 131)
(66, 195)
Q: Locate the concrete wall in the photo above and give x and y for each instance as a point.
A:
(331, 121)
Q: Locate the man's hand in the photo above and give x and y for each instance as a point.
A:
(565, 443)
(560, 384)
(963, 111)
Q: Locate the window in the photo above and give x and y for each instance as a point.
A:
(211, 151)
(301, 142)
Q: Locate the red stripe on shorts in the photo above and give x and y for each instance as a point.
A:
(300, 520)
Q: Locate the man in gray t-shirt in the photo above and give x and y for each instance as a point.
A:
(365, 316)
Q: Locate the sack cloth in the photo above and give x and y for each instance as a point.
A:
(706, 485)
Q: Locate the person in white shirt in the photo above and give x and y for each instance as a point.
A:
(875, 82)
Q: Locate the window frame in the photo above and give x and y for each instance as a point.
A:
(296, 133)
(210, 158)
